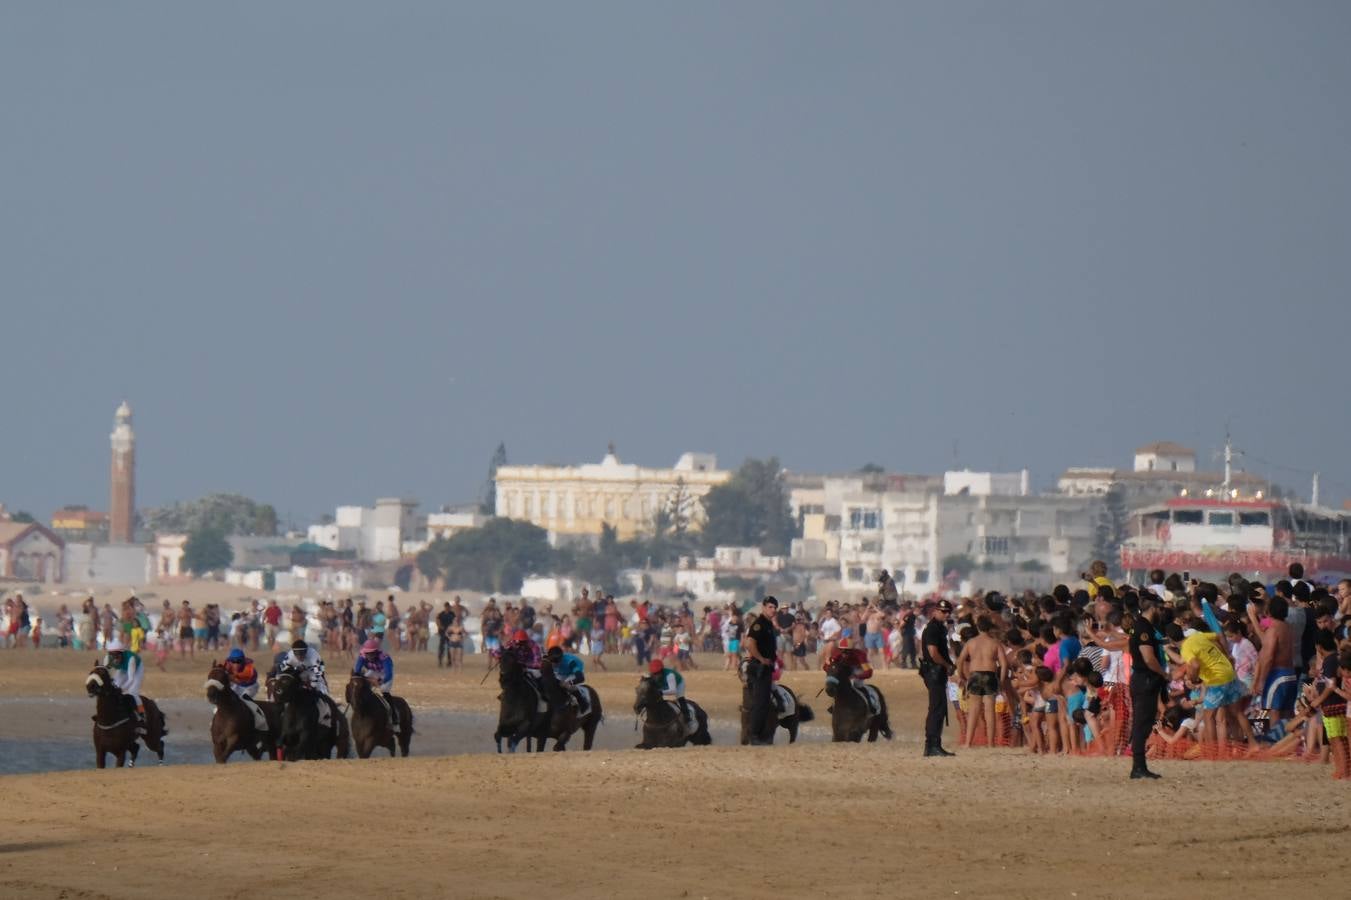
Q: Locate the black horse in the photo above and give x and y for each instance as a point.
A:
(787, 713)
(663, 724)
(115, 722)
(304, 733)
(850, 715)
(233, 725)
(519, 716)
(371, 726)
(565, 715)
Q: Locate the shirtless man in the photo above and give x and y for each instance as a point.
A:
(1274, 675)
(873, 638)
(981, 668)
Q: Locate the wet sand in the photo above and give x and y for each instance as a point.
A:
(724, 821)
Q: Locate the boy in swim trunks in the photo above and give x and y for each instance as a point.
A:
(980, 671)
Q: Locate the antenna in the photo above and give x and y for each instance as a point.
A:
(1229, 454)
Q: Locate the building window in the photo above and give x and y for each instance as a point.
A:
(855, 573)
(1188, 517)
(996, 546)
(865, 519)
(921, 576)
(1254, 518)
(871, 546)
(1222, 518)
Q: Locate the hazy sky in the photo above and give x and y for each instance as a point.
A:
(332, 251)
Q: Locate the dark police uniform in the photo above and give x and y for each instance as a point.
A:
(761, 677)
(935, 677)
(1146, 686)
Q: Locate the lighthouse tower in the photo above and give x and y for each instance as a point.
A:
(122, 510)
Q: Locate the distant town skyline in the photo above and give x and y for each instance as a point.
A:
(333, 251)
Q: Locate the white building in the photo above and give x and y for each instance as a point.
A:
(374, 533)
(32, 551)
(444, 525)
(579, 500)
(1013, 538)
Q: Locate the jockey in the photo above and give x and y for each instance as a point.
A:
(672, 686)
(377, 667)
(571, 674)
(243, 675)
(526, 651)
(854, 660)
(126, 670)
(306, 660)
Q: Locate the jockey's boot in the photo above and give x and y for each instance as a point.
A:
(140, 720)
(389, 708)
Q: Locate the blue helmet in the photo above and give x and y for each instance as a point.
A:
(235, 655)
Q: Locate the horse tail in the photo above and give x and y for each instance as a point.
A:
(804, 713)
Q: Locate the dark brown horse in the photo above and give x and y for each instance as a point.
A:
(312, 726)
(663, 724)
(115, 722)
(787, 713)
(851, 716)
(371, 727)
(565, 716)
(519, 715)
(233, 726)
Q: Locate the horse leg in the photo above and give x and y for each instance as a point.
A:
(100, 755)
(791, 726)
(872, 730)
(589, 733)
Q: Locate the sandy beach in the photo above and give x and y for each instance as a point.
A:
(725, 821)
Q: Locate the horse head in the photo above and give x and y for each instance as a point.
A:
(287, 685)
(99, 682)
(643, 694)
(356, 686)
(217, 682)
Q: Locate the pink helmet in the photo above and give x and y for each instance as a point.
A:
(371, 646)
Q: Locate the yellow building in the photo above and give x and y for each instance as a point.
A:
(578, 500)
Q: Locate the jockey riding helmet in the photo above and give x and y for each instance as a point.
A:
(520, 635)
(655, 666)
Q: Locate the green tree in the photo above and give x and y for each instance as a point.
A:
(495, 558)
(750, 509)
(871, 469)
(23, 518)
(230, 514)
(207, 550)
(488, 504)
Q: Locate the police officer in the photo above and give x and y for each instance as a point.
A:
(1149, 677)
(935, 666)
(760, 641)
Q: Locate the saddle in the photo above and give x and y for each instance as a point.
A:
(325, 712)
(541, 702)
(259, 719)
(871, 697)
(691, 723)
(784, 702)
(580, 697)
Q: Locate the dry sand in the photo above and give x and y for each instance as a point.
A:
(726, 821)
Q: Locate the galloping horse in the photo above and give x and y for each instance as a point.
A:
(371, 726)
(115, 721)
(304, 733)
(564, 715)
(233, 726)
(788, 712)
(519, 715)
(663, 724)
(851, 715)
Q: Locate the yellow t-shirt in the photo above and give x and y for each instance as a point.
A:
(1215, 668)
